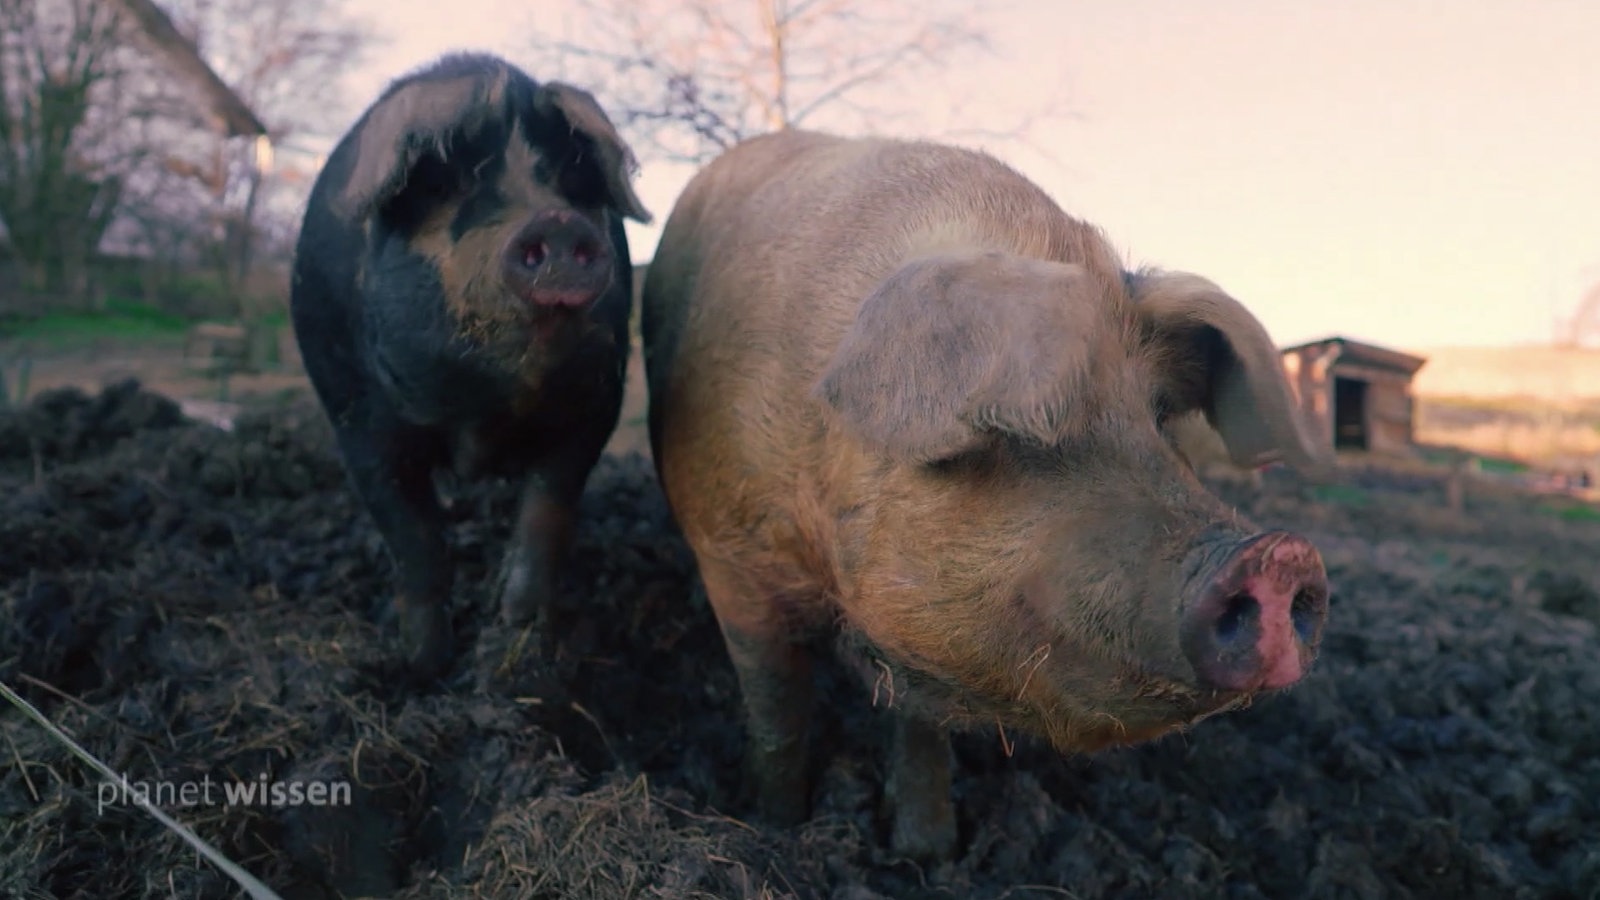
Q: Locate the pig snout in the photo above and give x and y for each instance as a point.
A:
(558, 260)
(1257, 618)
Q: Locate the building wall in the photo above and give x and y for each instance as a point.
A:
(1309, 383)
(1390, 411)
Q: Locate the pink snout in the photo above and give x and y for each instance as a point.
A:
(558, 260)
(1255, 625)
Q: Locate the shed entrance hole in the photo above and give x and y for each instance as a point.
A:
(1349, 414)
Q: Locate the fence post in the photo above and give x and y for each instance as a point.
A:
(1455, 488)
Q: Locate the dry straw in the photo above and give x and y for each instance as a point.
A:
(247, 881)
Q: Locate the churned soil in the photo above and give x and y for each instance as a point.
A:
(193, 604)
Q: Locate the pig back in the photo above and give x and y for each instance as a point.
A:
(760, 271)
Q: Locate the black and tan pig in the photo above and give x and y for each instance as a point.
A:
(903, 403)
(461, 294)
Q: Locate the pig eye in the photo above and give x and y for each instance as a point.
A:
(966, 463)
(430, 184)
(583, 186)
(432, 180)
(1162, 408)
(438, 183)
(581, 183)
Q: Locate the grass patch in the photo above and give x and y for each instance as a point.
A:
(120, 319)
(277, 318)
(1342, 494)
(1501, 466)
(1437, 457)
(1583, 513)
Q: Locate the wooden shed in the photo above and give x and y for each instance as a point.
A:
(1356, 395)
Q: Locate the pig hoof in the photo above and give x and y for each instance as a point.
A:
(527, 590)
(779, 789)
(456, 510)
(926, 835)
(453, 502)
(783, 812)
(426, 635)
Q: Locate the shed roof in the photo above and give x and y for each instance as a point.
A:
(229, 110)
(1365, 354)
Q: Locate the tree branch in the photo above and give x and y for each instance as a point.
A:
(687, 79)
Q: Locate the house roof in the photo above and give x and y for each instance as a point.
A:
(1365, 354)
(231, 113)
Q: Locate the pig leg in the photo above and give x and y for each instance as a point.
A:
(546, 521)
(392, 472)
(917, 795)
(775, 680)
(544, 528)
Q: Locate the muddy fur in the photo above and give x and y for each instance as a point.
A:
(461, 292)
(895, 381)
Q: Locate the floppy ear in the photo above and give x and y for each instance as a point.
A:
(1213, 356)
(952, 346)
(415, 118)
(585, 117)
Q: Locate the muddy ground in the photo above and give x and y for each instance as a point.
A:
(193, 604)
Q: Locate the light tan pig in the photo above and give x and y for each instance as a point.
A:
(900, 399)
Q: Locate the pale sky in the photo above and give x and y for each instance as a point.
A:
(1414, 173)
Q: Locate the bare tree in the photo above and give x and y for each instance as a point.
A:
(63, 166)
(105, 141)
(286, 59)
(686, 79)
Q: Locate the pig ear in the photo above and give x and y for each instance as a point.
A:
(584, 116)
(952, 347)
(419, 117)
(1217, 358)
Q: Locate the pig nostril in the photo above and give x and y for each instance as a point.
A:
(1235, 618)
(534, 253)
(1303, 612)
(584, 253)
